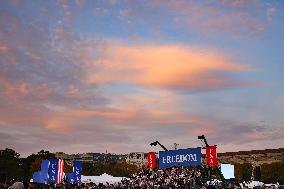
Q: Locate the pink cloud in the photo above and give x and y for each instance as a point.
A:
(13, 89)
(134, 113)
(173, 66)
(5, 51)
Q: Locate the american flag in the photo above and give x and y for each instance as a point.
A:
(60, 170)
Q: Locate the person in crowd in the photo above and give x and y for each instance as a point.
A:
(17, 185)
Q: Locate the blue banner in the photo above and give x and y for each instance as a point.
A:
(53, 171)
(184, 157)
(77, 171)
(44, 166)
(42, 175)
(37, 177)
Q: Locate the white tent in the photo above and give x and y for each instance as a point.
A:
(104, 178)
(268, 185)
(252, 184)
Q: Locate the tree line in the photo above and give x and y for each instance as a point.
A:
(268, 173)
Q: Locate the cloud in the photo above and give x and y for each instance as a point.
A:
(230, 18)
(131, 129)
(13, 88)
(165, 66)
(238, 133)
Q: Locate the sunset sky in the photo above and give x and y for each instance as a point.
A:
(90, 76)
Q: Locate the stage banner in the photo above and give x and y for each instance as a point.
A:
(183, 157)
(44, 170)
(37, 177)
(42, 175)
(211, 156)
(151, 157)
(53, 171)
(44, 167)
(77, 171)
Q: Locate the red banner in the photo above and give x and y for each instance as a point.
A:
(211, 156)
(151, 160)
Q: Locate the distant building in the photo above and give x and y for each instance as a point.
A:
(108, 158)
(62, 155)
(88, 157)
(83, 157)
(137, 158)
(91, 157)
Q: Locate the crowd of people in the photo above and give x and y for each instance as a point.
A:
(121, 185)
(175, 177)
(170, 178)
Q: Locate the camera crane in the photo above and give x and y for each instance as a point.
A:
(225, 183)
(157, 142)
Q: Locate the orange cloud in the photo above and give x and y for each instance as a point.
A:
(130, 115)
(3, 49)
(74, 119)
(164, 66)
(6, 52)
(21, 88)
(13, 89)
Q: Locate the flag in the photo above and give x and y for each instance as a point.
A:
(211, 156)
(77, 171)
(151, 157)
(60, 170)
(55, 171)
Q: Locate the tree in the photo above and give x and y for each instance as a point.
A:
(121, 169)
(116, 169)
(243, 172)
(10, 165)
(9, 154)
(88, 168)
(272, 173)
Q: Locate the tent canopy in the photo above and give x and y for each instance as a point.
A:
(104, 178)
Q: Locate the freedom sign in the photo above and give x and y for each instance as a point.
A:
(183, 157)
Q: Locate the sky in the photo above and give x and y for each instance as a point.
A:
(115, 75)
